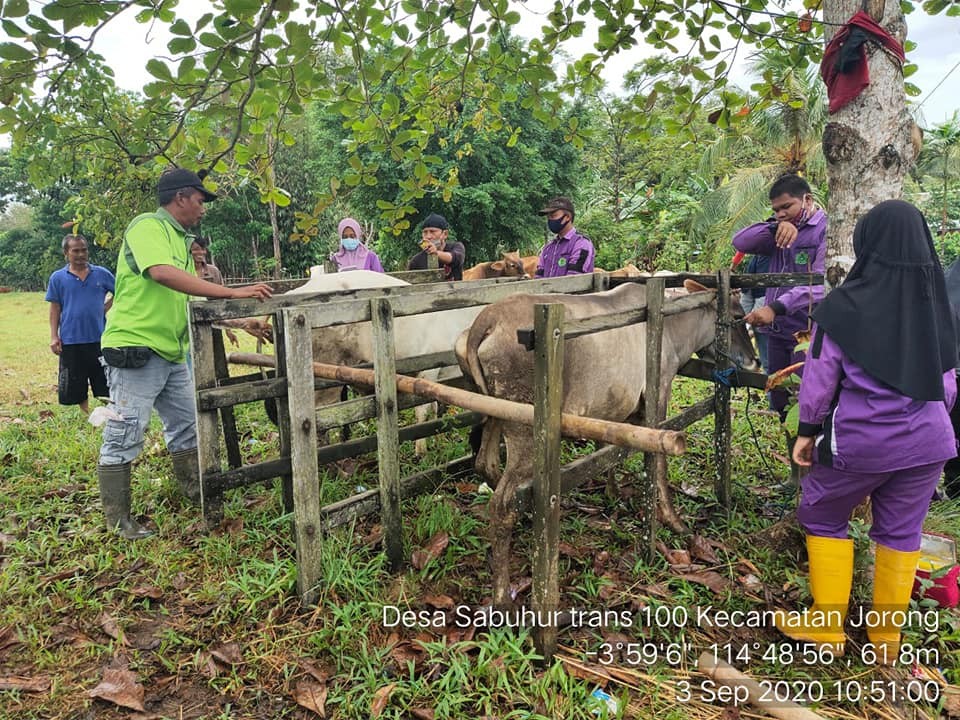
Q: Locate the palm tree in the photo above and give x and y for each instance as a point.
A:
(781, 134)
(940, 160)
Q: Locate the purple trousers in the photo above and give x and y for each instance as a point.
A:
(900, 502)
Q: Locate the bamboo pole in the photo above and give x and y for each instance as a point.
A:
(670, 442)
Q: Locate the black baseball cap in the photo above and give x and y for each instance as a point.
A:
(180, 178)
(557, 203)
(435, 220)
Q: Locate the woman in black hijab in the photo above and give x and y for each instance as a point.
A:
(877, 388)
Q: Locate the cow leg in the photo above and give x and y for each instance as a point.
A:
(668, 513)
(423, 413)
(488, 456)
(502, 514)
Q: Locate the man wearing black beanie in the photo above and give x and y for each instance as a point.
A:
(434, 242)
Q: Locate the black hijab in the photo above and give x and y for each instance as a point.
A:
(891, 315)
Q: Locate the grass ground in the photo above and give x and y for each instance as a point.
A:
(197, 624)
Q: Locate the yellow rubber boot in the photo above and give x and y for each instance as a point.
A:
(831, 577)
(893, 576)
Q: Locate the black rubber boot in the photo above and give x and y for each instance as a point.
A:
(186, 468)
(115, 498)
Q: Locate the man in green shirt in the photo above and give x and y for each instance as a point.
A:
(146, 341)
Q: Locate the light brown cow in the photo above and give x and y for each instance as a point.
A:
(508, 265)
(530, 264)
(604, 376)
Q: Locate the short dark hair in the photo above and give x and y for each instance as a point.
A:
(67, 239)
(789, 184)
(201, 240)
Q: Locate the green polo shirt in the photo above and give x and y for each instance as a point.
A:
(144, 312)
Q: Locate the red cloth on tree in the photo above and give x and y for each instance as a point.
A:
(845, 73)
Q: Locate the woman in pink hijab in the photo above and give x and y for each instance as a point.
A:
(352, 253)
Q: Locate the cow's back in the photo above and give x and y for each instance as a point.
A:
(603, 374)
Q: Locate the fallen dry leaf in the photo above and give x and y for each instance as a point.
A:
(600, 561)
(111, 628)
(431, 551)
(8, 638)
(441, 602)
(405, 652)
(315, 672)
(673, 556)
(465, 487)
(121, 688)
(228, 653)
(701, 549)
(24, 684)
(62, 575)
(312, 695)
(715, 581)
(750, 582)
(150, 591)
(422, 713)
(381, 699)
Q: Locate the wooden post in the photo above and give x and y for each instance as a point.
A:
(547, 405)
(283, 411)
(230, 438)
(208, 426)
(298, 344)
(721, 392)
(654, 464)
(388, 450)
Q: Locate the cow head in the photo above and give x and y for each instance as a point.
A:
(510, 265)
(742, 352)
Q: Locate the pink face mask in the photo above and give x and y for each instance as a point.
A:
(805, 212)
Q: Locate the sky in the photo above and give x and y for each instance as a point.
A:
(128, 45)
(938, 52)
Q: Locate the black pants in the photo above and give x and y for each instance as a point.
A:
(80, 369)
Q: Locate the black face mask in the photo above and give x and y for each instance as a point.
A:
(556, 225)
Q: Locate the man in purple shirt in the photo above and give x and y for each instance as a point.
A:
(569, 253)
(795, 239)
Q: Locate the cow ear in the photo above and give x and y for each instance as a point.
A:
(497, 265)
(692, 286)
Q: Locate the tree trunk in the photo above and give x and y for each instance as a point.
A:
(871, 143)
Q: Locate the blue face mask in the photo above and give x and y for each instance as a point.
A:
(350, 243)
(556, 225)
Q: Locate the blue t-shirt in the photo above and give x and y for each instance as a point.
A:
(81, 303)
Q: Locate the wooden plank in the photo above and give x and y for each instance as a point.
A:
(461, 294)
(435, 298)
(697, 411)
(278, 467)
(368, 502)
(230, 438)
(208, 425)
(388, 445)
(547, 407)
(283, 414)
(597, 323)
(736, 281)
(703, 370)
(298, 348)
(654, 464)
(722, 430)
(220, 397)
(419, 277)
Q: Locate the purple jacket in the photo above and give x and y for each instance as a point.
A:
(571, 254)
(807, 254)
(865, 426)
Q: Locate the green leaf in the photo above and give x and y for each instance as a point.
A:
(15, 8)
(182, 45)
(14, 52)
(159, 70)
(13, 30)
(180, 27)
(909, 69)
(280, 197)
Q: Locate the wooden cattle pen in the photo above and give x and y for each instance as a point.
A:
(293, 382)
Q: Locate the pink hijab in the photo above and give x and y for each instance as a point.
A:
(344, 258)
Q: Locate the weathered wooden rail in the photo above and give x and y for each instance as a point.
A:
(291, 385)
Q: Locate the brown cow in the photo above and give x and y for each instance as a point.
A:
(530, 264)
(508, 265)
(604, 376)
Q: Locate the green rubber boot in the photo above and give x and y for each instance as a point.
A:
(186, 468)
(115, 498)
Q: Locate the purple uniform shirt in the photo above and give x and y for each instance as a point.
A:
(571, 254)
(865, 426)
(807, 254)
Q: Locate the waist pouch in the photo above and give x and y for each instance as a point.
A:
(126, 357)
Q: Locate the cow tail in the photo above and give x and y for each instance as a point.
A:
(479, 331)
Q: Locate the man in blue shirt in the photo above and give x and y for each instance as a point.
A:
(77, 294)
